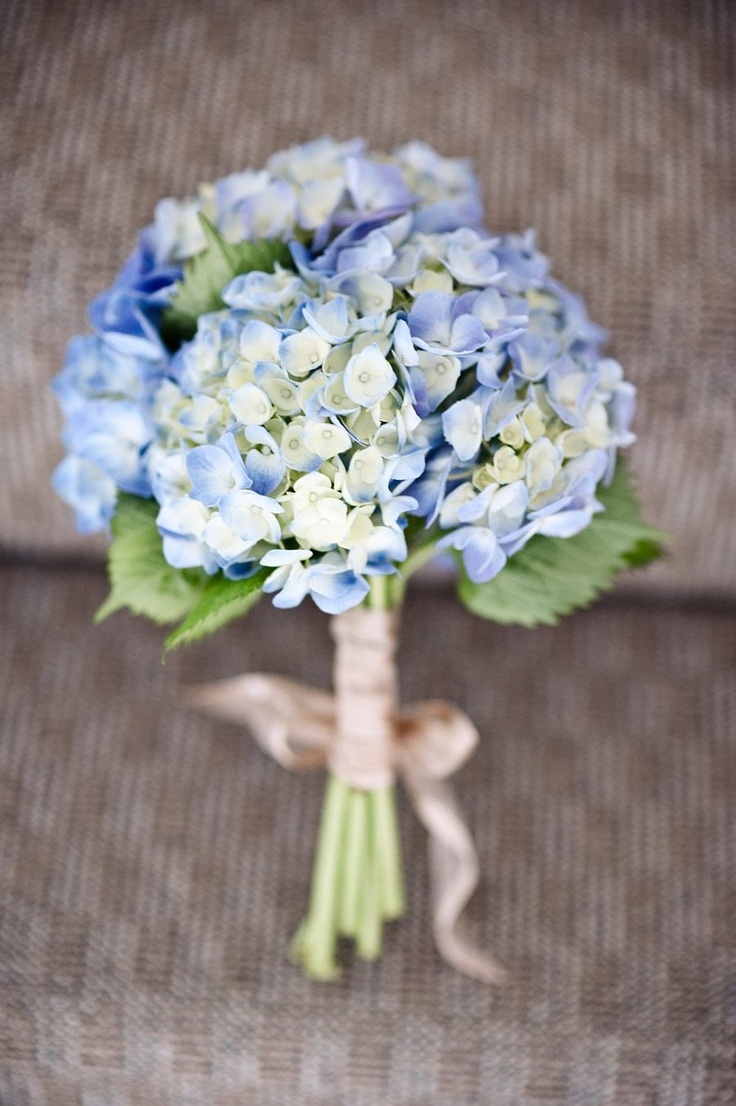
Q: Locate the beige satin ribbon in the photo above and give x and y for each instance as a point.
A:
(366, 740)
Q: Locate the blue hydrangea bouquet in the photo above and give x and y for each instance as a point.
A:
(307, 382)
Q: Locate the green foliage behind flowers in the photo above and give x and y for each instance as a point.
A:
(140, 577)
(551, 577)
(142, 580)
(220, 601)
(548, 578)
(208, 272)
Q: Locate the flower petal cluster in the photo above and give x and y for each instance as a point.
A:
(315, 191)
(411, 374)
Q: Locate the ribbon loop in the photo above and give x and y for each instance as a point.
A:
(435, 738)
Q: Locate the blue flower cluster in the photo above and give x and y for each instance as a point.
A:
(409, 365)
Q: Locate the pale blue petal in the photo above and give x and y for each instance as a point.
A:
(463, 427)
(215, 470)
(265, 470)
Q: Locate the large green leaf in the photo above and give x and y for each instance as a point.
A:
(207, 273)
(221, 601)
(551, 577)
(140, 577)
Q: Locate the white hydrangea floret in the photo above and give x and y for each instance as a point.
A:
(320, 516)
(326, 439)
(252, 517)
(303, 352)
(368, 377)
(250, 405)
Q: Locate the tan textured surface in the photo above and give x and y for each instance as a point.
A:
(154, 864)
(609, 126)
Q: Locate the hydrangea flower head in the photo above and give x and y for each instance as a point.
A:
(407, 366)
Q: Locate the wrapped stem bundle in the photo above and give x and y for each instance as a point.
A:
(365, 739)
(358, 880)
(305, 382)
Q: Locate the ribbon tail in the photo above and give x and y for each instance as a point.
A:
(454, 870)
(291, 722)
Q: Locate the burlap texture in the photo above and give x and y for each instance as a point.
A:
(154, 863)
(609, 126)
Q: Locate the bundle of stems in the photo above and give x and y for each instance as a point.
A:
(357, 878)
(357, 881)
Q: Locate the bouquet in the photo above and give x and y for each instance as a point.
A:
(305, 383)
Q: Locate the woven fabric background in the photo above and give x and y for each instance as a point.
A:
(153, 864)
(608, 125)
(146, 909)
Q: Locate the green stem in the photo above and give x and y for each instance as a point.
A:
(369, 938)
(418, 558)
(379, 596)
(388, 851)
(316, 940)
(353, 857)
(387, 592)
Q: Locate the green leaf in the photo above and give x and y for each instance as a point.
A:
(207, 273)
(140, 577)
(143, 581)
(220, 602)
(551, 577)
